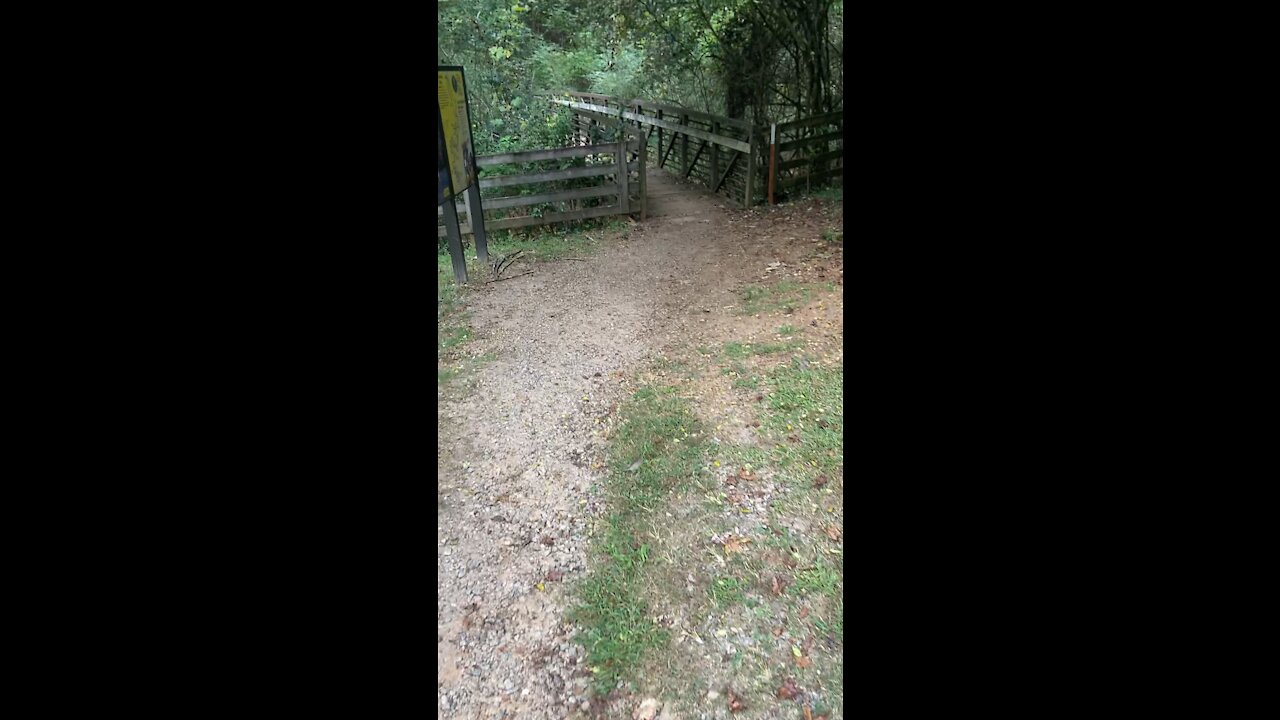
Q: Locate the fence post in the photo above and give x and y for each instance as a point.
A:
(644, 188)
(715, 155)
(659, 137)
(624, 188)
(684, 147)
(749, 199)
(773, 158)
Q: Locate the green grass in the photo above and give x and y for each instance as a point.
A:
(785, 295)
(727, 591)
(834, 193)
(822, 579)
(653, 453)
(787, 330)
(740, 351)
(806, 403)
(452, 336)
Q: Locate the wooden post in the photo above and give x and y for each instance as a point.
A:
(475, 216)
(773, 158)
(684, 148)
(624, 188)
(715, 156)
(644, 188)
(659, 137)
(454, 234)
(749, 199)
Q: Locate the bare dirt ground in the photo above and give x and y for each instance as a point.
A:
(522, 440)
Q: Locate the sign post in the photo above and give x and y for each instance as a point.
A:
(458, 155)
(446, 195)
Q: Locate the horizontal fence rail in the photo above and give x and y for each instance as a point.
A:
(558, 194)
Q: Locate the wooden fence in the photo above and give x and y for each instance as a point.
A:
(728, 156)
(810, 151)
(580, 179)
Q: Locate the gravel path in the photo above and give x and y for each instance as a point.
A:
(516, 452)
(520, 451)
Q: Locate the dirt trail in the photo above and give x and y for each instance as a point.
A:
(518, 452)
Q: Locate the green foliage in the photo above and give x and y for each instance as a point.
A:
(690, 52)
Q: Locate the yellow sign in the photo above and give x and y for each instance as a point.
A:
(456, 126)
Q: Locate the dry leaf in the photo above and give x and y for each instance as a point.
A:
(734, 544)
(548, 540)
(804, 612)
(807, 715)
(807, 645)
(777, 632)
(820, 481)
(788, 691)
(777, 585)
(555, 575)
(833, 532)
(803, 662)
(735, 702)
(745, 474)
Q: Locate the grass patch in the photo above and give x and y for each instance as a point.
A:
(452, 336)
(741, 351)
(653, 453)
(727, 591)
(819, 580)
(787, 330)
(785, 295)
(806, 408)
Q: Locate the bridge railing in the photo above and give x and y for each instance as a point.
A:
(727, 156)
(557, 185)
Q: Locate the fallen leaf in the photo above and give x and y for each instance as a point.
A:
(807, 715)
(548, 540)
(745, 474)
(777, 632)
(804, 612)
(803, 662)
(777, 585)
(833, 532)
(540, 587)
(735, 702)
(820, 481)
(788, 691)
(734, 544)
(807, 645)
(555, 575)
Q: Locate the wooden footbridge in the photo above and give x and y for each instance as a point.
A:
(602, 169)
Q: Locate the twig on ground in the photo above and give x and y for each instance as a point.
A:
(530, 272)
(578, 259)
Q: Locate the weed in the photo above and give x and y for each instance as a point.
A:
(787, 330)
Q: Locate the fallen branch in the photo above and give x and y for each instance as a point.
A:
(578, 259)
(530, 272)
